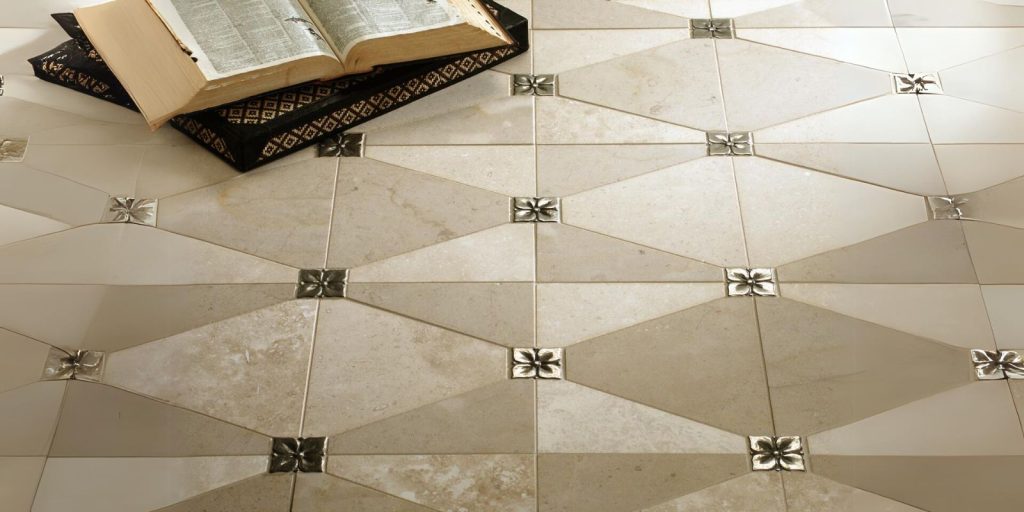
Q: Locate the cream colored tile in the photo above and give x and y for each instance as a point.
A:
(111, 169)
(30, 417)
(504, 253)
(684, 8)
(322, 493)
(887, 119)
(688, 209)
(507, 170)
(805, 13)
(951, 313)
(875, 48)
(956, 121)
(956, 13)
(17, 225)
(37, 14)
(558, 122)
(22, 362)
(936, 49)
(99, 484)
(563, 50)
(21, 44)
(807, 492)
(995, 251)
(576, 419)
(263, 493)
(45, 194)
(999, 204)
(963, 174)
(1003, 303)
(168, 170)
(18, 479)
(791, 213)
(249, 370)
(605, 14)
(566, 170)
(755, 491)
(568, 313)
(968, 81)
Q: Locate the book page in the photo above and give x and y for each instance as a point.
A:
(347, 22)
(228, 37)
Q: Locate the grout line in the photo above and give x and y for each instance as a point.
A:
(309, 367)
(53, 437)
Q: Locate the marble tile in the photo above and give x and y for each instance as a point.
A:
(803, 13)
(22, 361)
(100, 170)
(962, 173)
(956, 13)
(1017, 391)
(875, 48)
(499, 483)
(17, 225)
(558, 122)
(713, 346)
(999, 204)
(568, 313)
(370, 365)
(21, 43)
(887, 119)
(19, 475)
(563, 50)
(506, 170)
(324, 493)
(619, 14)
(30, 417)
(570, 169)
(995, 250)
(957, 121)
(807, 492)
(972, 81)
(938, 49)
(166, 170)
(1003, 303)
(37, 14)
(760, 491)
(47, 195)
(249, 370)
(263, 493)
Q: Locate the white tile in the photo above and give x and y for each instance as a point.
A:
(889, 118)
(565, 121)
(562, 50)
(956, 121)
(875, 48)
(930, 50)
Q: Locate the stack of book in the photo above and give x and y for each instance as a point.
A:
(253, 81)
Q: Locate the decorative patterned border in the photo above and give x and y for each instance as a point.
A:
(205, 135)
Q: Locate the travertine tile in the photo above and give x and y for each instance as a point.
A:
(570, 169)
(957, 121)
(17, 225)
(558, 122)
(506, 170)
(760, 491)
(21, 43)
(1017, 391)
(999, 204)
(972, 81)
(325, 493)
(1003, 303)
(938, 49)
(263, 493)
(22, 361)
(807, 492)
(563, 50)
(47, 195)
(108, 169)
(803, 13)
(956, 13)
(962, 173)
(19, 475)
(167, 170)
(30, 417)
(619, 14)
(995, 250)
(875, 48)
(886, 119)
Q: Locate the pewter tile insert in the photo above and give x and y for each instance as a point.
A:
(776, 453)
(131, 210)
(322, 283)
(298, 455)
(714, 28)
(730, 144)
(917, 83)
(74, 365)
(349, 145)
(537, 363)
(534, 85)
(998, 364)
(13, 150)
(536, 209)
(751, 282)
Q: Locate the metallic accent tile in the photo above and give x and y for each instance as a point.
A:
(714, 28)
(537, 363)
(534, 85)
(730, 144)
(13, 150)
(947, 207)
(998, 364)
(322, 283)
(751, 282)
(131, 210)
(776, 453)
(2, 83)
(343, 145)
(77, 365)
(917, 83)
(536, 209)
(298, 454)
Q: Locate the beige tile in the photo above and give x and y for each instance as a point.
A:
(689, 209)
(504, 253)
(614, 482)
(382, 210)
(102, 421)
(957, 121)
(370, 365)
(168, 170)
(576, 419)
(684, 8)
(956, 13)
(604, 14)
(634, 83)
(98, 484)
(755, 491)
(263, 493)
(887, 119)
(112, 169)
(951, 313)
(499, 312)
(963, 174)
(249, 370)
(826, 370)
(109, 318)
(324, 493)
(499, 483)
(563, 50)
(892, 258)
(875, 48)
(37, 14)
(908, 167)
(1003, 303)
(497, 418)
(567, 170)
(713, 347)
(937, 49)
(998, 205)
(130, 254)
(17, 225)
(568, 313)
(936, 425)
(558, 122)
(30, 417)
(1017, 391)
(21, 44)
(22, 362)
(807, 492)
(506, 170)
(281, 214)
(18, 479)
(51, 196)
(805, 13)
(568, 254)
(995, 251)
(758, 96)
(791, 213)
(965, 81)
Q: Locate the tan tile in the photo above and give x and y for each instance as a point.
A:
(102, 421)
(109, 318)
(50, 196)
(875, 48)
(689, 209)
(325, 493)
(568, 254)
(497, 418)
(17, 225)
(168, 170)
(499, 483)
(567, 170)
(249, 370)
(956, 121)
(887, 119)
(892, 258)
(99, 484)
(962, 174)
(713, 346)
(382, 210)
(558, 122)
(1017, 391)
(755, 491)
(998, 205)
(370, 365)
(957, 13)
(995, 251)
(30, 417)
(506, 170)
(263, 493)
(803, 13)
(807, 492)
(935, 484)
(281, 214)
(826, 370)
(22, 361)
(790, 213)
(112, 169)
(568, 313)
(499, 312)
(598, 14)
(503, 253)
(19, 475)
(130, 254)
(1003, 304)
(935, 425)
(563, 50)
(907, 167)
(576, 419)
(614, 482)
(938, 49)
(951, 313)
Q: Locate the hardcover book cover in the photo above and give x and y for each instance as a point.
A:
(252, 132)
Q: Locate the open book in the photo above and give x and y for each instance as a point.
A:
(178, 56)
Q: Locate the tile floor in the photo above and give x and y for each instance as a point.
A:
(555, 301)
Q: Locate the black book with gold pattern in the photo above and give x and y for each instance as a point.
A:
(253, 132)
